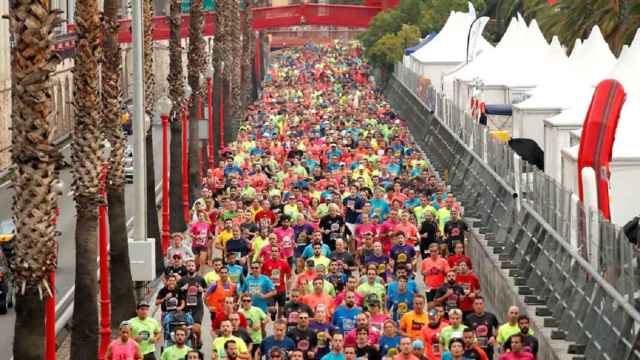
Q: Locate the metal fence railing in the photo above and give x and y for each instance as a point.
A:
(583, 274)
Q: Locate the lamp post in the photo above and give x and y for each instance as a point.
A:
(185, 156)
(103, 240)
(164, 106)
(50, 306)
(210, 113)
(221, 131)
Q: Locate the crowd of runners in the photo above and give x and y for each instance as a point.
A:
(323, 234)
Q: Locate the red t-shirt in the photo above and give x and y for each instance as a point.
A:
(469, 281)
(276, 270)
(221, 316)
(453, 260)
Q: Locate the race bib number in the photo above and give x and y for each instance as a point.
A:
(351, 203)
(322, 339)
(403, 308)
(192, 296)
(286, 242)
(402, 257)
(254, 289)
(293, 317)
(416, 325)
(275, 276)
(482, 334)
(455, 232)
(171, 303)
(145, 335)
(303, 345)
(382, 268)
(335, 227)
(347, 324)
(452, 301)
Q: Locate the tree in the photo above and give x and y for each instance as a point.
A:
(222, 53)
(390, 48)
(85, 153)
(196, 58)
(248, 55)
(122, 292)
(235, 38)
(385, 22)
(176, 92)
(34, 155)
(153, 227)
(571, 20)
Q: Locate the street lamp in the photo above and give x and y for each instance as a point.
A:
(103, 240)
(210, 112)
(164, 106)
(50, 307)
(185, 155)
(221, 125)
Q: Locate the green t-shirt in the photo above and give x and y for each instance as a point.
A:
(218, 345)
(327, 288)
(506, 330)
(211, 277)
(421, 212)
(321, 260)
(173, 352)
(448, 333)
(255, 316)
(147, 328)
(258, 243)
(366, 289)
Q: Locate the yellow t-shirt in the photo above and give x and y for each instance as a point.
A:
(218, 345)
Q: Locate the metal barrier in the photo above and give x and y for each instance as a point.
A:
(580, 303)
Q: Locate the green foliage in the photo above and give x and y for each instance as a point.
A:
(386, 22)
(389, 49)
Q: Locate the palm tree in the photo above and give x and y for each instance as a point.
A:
(86, 170)
(122, 293)
(33, 154)
(235, 39)
(153, 227)
(248, 54)
(196, 58)
(222, 59)
(176, 92)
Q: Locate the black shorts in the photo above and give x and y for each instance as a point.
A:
(197, 314)
(279, 298)
(197, 249)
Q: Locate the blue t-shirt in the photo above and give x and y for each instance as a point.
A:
(387, 343)
(381, 204)
(270, 342)
(235, 273)
(333, 356)
(344, 319)
(255, 285)
(400, 304)
(308, 251)
(392, 288)
(447, 356)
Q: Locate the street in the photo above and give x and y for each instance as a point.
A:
(65, 276)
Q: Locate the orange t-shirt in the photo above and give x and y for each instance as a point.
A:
(412, 324)
(313, 300)
(434, 272)
(431, 339)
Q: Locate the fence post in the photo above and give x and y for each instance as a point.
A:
(518, 178)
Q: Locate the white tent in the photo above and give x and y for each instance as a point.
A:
(572, 85)
(449, 48)
(516, 60)
(625, 162)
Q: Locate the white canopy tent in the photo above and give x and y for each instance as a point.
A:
(449, 48)
(522, 50)
(571, 86)
(625, 162)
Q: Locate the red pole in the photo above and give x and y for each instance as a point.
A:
(165, 183)
(185, 167)
(221, 135)
(105, 302)
(210, 112)
(50, 320)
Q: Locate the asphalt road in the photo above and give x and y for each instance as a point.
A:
(65, 276)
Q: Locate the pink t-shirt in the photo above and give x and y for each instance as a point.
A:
(517, 356)
(285, 240)
(124, 351)
(199, 233)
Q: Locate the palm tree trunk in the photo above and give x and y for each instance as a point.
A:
(86, 169)
(153, 227)
(121, 283)
(176, 92)
(197, 62)
(29, 327)
(248, 52)
(235, 38)
(34, 204)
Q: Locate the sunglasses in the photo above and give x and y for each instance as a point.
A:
(246, 300)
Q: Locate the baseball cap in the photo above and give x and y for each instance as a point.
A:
(433, 313)
(417, 344)
(142, 304)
